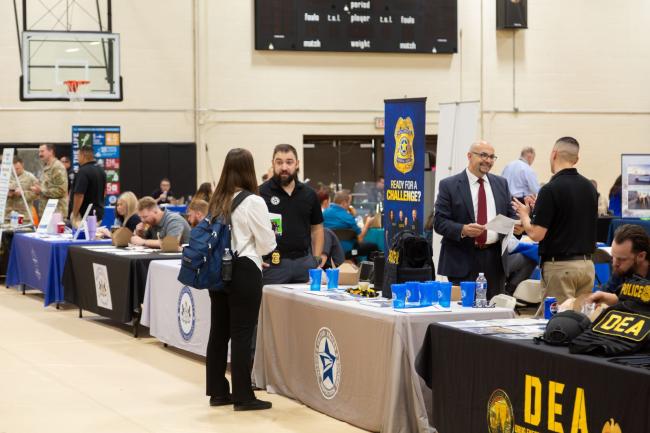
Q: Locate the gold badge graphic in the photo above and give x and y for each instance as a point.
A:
(404, 158)
(500, 415)
(275, 257)
(611, 426)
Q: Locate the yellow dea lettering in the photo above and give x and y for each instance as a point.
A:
(622, 324)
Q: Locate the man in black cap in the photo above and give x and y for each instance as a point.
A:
(89, 186)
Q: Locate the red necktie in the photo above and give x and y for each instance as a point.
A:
(481, 216)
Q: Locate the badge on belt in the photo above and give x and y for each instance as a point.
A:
(275, 257)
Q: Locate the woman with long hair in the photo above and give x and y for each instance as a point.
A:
(126, 214)
(204, 192)
(235, 308)
(616, 197)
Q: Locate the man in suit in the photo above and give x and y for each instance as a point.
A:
(465, 203)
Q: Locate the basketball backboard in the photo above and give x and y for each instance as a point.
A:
(66, 65)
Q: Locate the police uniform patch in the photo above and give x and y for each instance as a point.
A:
(275, 200)
(622, 324)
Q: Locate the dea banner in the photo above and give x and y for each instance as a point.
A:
(327, 363)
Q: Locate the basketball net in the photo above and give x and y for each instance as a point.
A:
(73, 88)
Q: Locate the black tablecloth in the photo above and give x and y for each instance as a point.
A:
(127, 276)
(472, 373)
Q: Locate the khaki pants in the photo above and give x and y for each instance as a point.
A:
(568, 279)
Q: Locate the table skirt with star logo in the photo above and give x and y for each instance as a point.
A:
(38, 262)
(350, 361)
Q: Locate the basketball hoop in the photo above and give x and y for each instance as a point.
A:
(73, 87)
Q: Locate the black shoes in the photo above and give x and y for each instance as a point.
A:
(253, 405)
(220, 401)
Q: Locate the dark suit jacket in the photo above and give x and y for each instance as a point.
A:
(453, 209)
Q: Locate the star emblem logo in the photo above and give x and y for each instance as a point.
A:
(328, 360)
(327, 363)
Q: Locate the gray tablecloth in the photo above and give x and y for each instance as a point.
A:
(350, 361)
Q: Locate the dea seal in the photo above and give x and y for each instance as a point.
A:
(327, 363)
(404, 156)
(500, 416)
(186, 313)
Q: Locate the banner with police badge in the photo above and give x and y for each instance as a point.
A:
(404, 138)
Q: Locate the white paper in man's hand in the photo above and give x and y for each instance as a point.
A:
(502, 224)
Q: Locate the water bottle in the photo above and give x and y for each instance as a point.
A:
(481, 291)
(226, 266)
(13, 219)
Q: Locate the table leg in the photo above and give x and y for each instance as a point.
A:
(23, 288)
(58, 306)
(136, 325)
(80, 313)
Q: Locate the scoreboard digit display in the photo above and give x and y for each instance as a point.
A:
(386, 26)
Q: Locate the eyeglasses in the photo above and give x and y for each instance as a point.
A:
(486, 156)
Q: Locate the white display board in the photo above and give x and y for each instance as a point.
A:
(458, 122)
(635, 197)
(46, 219)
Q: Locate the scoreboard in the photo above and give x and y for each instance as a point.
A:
(389, 26)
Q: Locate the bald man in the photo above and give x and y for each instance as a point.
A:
(465, 203)
(563, 220)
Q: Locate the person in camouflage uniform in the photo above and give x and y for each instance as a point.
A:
(53, 182)
(15, 200)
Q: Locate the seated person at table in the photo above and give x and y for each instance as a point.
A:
(196, 211)
(204, 192)
(630, 257)
(164, 194)
(126, 214)
(157, 224)
(519, 267)
(337, 217)
(332, 251)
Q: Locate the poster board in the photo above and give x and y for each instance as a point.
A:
(106, 148)
(404, 140)
(635, 182)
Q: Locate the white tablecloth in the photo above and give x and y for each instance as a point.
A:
(175, 314)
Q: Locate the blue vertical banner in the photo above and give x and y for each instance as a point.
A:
(404, 139)
(106, 148)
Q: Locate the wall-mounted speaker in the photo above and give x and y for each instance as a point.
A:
(512, 14)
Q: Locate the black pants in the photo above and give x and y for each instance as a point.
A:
(520, 268)
(234, 317)
(489, 262)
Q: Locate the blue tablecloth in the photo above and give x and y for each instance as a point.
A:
(38, 263)
(617, 222)
(109, 213)
(531, 251)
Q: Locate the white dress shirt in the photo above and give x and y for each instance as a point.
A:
(252, 235)
(492, 236)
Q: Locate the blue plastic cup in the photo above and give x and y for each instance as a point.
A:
(332, 279)
(399, 295)
(467, 292)
(413, 293)
(315, 276)
(427, 292)
(444, 294)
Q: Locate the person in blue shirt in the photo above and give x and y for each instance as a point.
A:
(337, 216)
(522, 180)
(615, 197)
(630, 255)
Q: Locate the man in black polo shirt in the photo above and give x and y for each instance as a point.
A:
(89, 186)
(300, 244)
(564, 223)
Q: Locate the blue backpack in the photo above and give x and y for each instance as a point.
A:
(201, 262)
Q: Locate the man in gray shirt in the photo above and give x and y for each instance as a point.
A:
(157, 224)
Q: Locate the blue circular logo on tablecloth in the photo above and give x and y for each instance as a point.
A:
(186, 313)
(327, 363)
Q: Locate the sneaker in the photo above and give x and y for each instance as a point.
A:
(254, 404)
(220, 401)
